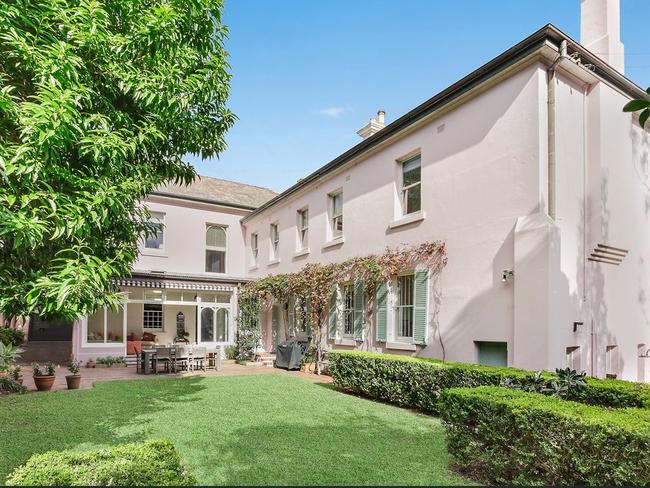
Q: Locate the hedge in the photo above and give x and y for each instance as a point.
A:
(140, 464)
(11, 336)
(418, 382)
(498, 435)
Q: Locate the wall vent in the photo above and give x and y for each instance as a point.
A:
(603, 253)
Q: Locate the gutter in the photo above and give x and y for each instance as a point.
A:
(535, 41)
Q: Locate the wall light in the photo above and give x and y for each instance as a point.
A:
(507, 276)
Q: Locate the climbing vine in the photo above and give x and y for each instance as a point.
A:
(313, 284)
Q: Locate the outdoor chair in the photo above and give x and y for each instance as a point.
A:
(181, 357)
(199, 356)
(164, 356)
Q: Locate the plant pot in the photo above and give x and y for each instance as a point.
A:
(309, 367)
(44, 383)
(20, 380)
(73, 381)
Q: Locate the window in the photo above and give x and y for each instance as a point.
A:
(255, 250)
(492, 353)
(573, 358)
(611, 362)
(215, 249)
(106, 326)
(275, 241)
(405, 306)
(348, 310)
(411, 187)
(303, 228)
(336, 214)
(155, 237)
(152, 317)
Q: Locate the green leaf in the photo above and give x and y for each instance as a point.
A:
(635, 105)
(643, 118)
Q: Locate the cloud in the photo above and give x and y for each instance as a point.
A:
(333, 112)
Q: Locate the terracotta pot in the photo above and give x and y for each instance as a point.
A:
(44, 383)
(309, 367)
(73, 381)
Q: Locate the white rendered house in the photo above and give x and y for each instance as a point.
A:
(527, 169)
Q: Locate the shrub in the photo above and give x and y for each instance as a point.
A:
(418, 382)
(8, 384)
(497, 435)
(111, 360)
(141, 464)
(11, 336)
(231, 352)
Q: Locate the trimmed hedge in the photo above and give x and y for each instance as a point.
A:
(498, 435)
(141, 464)
(418, 382)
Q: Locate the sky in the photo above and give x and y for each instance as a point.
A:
(307, 74)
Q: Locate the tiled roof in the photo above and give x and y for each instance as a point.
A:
(220, 191)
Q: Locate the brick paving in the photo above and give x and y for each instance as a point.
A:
(91, 375)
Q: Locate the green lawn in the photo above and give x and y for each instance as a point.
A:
(251, 430)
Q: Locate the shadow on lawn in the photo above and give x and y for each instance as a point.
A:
(348, 450)
(108, 414)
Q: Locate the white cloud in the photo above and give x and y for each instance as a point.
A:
(333, 112)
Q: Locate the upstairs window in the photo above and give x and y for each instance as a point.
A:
(411, 186)
(215, 249)
(255, 250)
(155, 238)
(275, 241)
(336, 214)
(303, 228)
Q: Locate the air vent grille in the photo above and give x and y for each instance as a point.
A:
(603, 253)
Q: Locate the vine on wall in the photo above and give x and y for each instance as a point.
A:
(313, 284)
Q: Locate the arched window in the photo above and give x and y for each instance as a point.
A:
(215, 249)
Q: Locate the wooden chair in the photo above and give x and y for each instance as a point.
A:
(199, 357)
(181, 357)
(164, 356)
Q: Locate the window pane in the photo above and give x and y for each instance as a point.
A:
(411, 171)
(207, 325)
(337, 204)
(215, 261)
(215, 236)
(114, 325)
(152, 317)
(348, 310)
(222, 325)
(413, 201)
(96, 327)
(155, 238)
(405, 289)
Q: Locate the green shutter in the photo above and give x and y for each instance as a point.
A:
(420, 312)
(308, 317)
(333, 316)
(292, 316)
(358, 311)
(382, 311)
(277, 319)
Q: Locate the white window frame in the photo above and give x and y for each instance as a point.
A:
(274, 240)
(612, 360)
(399, 309)
(217, 248)
(335, 219)
(162, 316)
(302, 227)
(255, 247)
(104, 310)
(347, 307)
(404, 190)
(160, 216)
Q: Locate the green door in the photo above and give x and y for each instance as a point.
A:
(492, 353)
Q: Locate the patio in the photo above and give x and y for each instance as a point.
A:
(89, 376)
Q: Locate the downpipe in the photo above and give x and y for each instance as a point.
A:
(550, 96)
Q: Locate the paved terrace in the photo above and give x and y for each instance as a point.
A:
(91, 375)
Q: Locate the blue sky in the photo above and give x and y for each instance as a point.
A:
(307, 74)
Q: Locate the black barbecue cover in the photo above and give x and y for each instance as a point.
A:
(288, 355)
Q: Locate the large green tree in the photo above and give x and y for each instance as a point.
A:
(99, 100)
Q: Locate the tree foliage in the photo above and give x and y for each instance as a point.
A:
(99, 100)
(641, 105)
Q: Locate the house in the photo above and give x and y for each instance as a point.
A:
(526, 168)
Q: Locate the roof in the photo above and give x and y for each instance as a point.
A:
(215, 190)
(548, 33)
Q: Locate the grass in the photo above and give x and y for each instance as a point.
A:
(247, 430)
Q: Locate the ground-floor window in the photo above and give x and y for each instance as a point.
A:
(573, 359)
(214, 325)
(348, 310)
(405, 306)
(106, 326)
(611, 361)
(492, 353)
(152, 317)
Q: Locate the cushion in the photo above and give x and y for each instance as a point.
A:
(148, 336)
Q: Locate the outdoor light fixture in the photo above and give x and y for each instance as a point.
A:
(507, 276)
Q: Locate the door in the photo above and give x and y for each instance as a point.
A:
(275, 325)
(213, 324)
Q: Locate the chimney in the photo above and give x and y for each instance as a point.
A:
(373, 126)
(600, 31)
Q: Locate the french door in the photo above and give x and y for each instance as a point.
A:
(213, 324)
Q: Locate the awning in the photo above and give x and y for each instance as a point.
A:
(174, 285)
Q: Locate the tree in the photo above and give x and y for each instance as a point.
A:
(642, 105)
(99, 100)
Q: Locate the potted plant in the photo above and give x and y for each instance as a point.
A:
(44, 379)
(15, 374)
(74, 378)
(8, 355)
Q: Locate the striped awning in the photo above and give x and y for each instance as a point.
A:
(174, 285)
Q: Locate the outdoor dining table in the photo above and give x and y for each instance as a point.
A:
(147, 356)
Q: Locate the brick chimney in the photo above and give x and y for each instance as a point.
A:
(600, 31)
